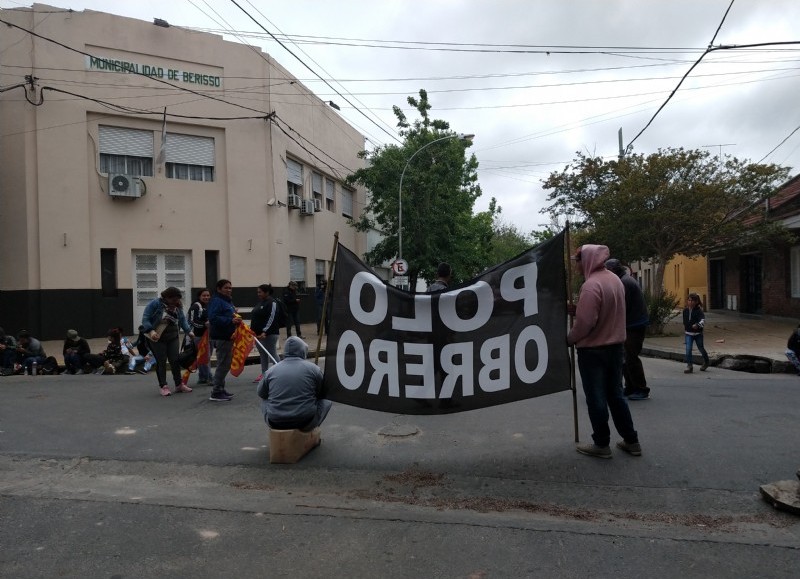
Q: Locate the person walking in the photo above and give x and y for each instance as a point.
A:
(636, 321)
(162, 321)
(222, 323)
(319, 302)
(598, 333)
(198, 319)
(266, 321)
(694, 321)
(292, 302)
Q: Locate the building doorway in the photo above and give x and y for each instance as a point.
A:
(153, 271)
(751, 284)
(716, 284)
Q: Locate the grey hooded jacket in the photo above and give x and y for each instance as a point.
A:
(290, 389)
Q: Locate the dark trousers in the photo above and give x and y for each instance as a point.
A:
(601, 375)
(632, 369)
(167, 350)
(293, 318)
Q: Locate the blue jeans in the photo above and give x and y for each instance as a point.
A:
(601, 375)
(698, 339)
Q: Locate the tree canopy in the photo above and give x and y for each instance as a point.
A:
(439, 192)
(674, 201)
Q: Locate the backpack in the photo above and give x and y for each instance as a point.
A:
(283, 313)
(49, 367)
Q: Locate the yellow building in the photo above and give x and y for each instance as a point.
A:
(682, 275)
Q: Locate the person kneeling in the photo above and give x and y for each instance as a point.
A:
(290, 391)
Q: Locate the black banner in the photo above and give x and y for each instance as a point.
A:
(497, 338)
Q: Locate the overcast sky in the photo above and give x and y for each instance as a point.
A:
(531, 110)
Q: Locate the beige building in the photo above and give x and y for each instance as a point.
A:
(105, 199)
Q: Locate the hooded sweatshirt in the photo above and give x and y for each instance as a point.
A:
(290, 388)
(600, 313)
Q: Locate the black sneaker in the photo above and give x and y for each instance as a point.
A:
(228, 394)
(219, 397)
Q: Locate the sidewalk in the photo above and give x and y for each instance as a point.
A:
(732, 340)
(97, 345)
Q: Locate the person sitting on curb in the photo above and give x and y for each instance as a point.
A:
(29, 352)
(793, 349)
(8, 353)
(291, 389)
(75, 351)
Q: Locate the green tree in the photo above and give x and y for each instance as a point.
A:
(507, 242)
(440, 187)
(675, 201)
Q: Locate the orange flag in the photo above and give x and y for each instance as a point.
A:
(243, 339)
(201, 358)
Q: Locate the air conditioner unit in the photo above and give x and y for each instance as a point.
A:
(317, 205)
(307, 207)
(293, 201)
(120, 185)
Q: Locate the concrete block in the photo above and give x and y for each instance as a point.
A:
(289, 446)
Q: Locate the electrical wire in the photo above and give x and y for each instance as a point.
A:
(313, 72)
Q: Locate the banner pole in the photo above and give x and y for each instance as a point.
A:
(263, 349)
(573, 382)
(327, 296)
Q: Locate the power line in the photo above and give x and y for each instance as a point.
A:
(314, 72)
(185, 89)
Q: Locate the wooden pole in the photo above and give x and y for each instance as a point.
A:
(327, 296)
(570, 304)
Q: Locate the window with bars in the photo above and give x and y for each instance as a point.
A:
(347, 202)
(126, 151)
(189, 157)
(297, 271)
(330, 195)
(294, 178)
(316, 187)
(320, 270)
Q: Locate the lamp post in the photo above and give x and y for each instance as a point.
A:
(460, 137)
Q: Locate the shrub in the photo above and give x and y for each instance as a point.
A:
(661, 308)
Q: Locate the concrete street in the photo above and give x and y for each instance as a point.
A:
(102, 477)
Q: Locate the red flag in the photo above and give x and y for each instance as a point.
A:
(202, 352)
(243, 339)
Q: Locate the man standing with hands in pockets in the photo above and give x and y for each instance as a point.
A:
(599, 333)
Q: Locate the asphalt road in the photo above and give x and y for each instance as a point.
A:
(102, 477)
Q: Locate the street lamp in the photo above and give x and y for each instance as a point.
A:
(460, 137)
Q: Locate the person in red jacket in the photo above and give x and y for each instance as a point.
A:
(598, 333)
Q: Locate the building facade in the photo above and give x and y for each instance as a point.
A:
(140, 156)
(762, 279)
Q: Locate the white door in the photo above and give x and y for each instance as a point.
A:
(154, 271)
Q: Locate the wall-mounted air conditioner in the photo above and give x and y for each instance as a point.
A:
(293, 201)
(307, 207)
(128, 186)
(317, 205)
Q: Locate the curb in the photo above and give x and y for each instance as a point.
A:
(737, 362)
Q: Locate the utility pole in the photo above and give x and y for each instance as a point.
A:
(621, 150)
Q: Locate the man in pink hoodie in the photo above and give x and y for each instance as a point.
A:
(599, 333)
